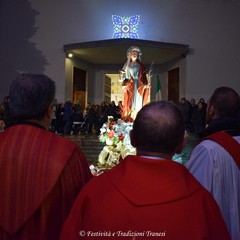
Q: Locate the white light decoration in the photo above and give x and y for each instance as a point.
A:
(125, 27)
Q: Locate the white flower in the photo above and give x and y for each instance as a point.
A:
(91, 167)
(109, 141)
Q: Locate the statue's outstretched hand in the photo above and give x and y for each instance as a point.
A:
(120, 76)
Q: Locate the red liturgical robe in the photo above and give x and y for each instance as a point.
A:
(142, 198)
(41, 174)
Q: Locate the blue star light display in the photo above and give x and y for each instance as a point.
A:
(125, 27)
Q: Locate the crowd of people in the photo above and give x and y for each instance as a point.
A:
(48, 192)
(194, 114)
(70, 118)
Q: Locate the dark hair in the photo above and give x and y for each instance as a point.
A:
(159, 127)
(30, 96)
(226, 101)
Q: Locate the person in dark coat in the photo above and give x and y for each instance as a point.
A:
(68, 117)
(198, 119)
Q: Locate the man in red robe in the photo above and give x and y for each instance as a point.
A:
(41, 173)
(148, 195)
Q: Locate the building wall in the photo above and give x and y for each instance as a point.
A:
(32, 35)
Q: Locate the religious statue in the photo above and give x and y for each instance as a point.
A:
(134, 82)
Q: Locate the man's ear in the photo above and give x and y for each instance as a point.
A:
(49, 111)
(133, 141)
(181, 146)
(211, 110)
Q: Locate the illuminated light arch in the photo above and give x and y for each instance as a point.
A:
(125, 27)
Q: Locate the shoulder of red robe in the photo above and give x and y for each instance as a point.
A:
(45, 180)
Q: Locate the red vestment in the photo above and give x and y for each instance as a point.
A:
(144, 198)
(41, 174)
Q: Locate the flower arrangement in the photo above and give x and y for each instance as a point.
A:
(117, 139)
(116, 136)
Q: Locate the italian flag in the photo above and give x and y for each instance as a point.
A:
(158, 89)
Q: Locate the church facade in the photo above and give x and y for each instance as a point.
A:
(35, 38)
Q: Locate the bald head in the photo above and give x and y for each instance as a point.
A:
(159, 128)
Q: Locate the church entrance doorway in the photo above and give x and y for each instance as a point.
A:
(173, 85)
(79, 87)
